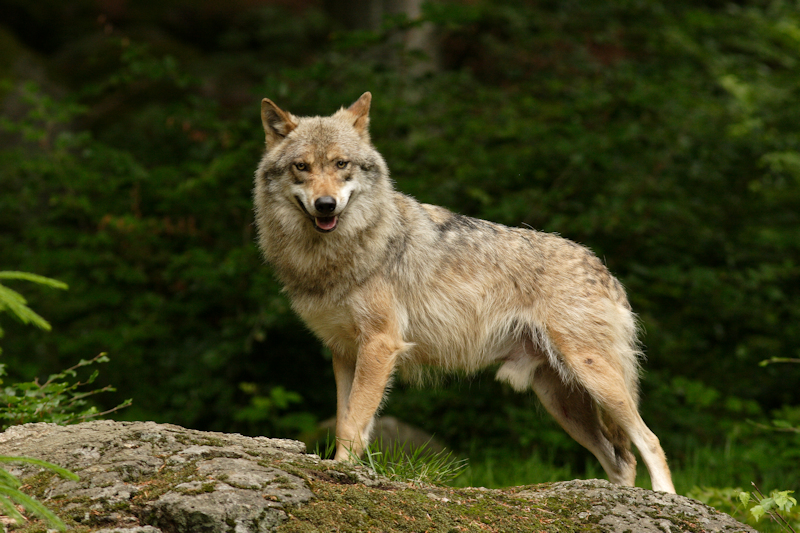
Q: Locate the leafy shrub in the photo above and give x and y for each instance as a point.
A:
(778, 506)
(273, 411)
(35, 403)
(750, 507)
(54, 401)
(754, 505)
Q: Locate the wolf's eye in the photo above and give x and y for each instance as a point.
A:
(341, 164)
(302, 167)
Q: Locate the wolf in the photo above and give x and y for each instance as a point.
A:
(392, 285)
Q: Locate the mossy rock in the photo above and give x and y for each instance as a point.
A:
(142, 477)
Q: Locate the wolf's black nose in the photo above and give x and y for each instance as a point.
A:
(325, 204)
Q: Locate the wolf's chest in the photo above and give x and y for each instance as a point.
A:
(333, 324)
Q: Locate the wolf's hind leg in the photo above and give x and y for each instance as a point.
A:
(608, 388)
(575, 410)
(527, 366)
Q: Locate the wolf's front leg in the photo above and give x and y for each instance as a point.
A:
(367, 379)
(344, 370)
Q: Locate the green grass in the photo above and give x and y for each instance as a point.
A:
(399, 462)
(715, 476)
(695, 466)
(497, 469)
(414, 465)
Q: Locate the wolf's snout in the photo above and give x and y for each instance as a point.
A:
(325, 221)
(325, 205)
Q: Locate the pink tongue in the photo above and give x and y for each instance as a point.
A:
(326, 223)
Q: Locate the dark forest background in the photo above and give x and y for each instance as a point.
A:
(664, 135)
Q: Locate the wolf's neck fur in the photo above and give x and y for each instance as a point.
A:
(329, 265)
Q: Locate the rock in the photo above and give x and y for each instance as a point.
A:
(142, 477)
(167, 477)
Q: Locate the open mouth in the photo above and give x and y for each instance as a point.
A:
(325, 224)
(321, 224)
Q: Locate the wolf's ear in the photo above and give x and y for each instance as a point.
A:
(277, 122)
(360, 109)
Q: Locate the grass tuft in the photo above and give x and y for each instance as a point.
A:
(402, 462)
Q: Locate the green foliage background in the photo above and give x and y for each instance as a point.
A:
(665, 135)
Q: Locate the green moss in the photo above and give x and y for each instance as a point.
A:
(35, 485)
(282, 482)
(202, 489)
(155, 486)
(121, 506)
(355, 508)
(684, 523)
(201, 441)
(301, 472)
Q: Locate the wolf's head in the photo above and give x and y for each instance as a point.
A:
(318, 166)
